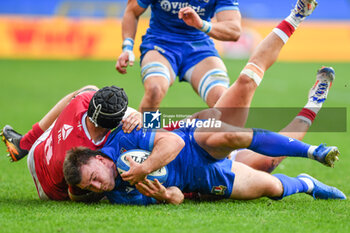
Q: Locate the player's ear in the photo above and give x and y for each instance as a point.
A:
(99, 157)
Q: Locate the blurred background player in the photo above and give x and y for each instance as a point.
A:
(177, 43)
(82, 118)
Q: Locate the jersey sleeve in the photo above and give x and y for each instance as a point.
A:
(111, 147)
(144, 3)
(144, 138)
(129, 110)
(224, 5)
(131, 198)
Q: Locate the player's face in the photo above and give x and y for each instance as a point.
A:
(98, 175)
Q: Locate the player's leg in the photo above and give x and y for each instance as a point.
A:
(157, 76)
(220, 141)
(235, 102)
(251, 184)
(18, 145)
(298, 127)
(209, 79)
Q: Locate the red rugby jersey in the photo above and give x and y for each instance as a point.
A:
(67, 132)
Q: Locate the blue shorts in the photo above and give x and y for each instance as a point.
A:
(181, 55)
(195, 170)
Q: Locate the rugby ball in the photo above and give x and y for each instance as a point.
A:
(139, 156)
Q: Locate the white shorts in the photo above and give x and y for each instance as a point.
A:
(31, 164)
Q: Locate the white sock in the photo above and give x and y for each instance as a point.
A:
(315, 107)
(310, 152)
(309, 184)
(293, 20)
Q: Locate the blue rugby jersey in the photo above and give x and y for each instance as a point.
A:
(193, 170)
(164, 22)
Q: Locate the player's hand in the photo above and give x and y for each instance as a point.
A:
(136, 172)
(132, 121)
(190, 17)
(152, 189)
(126, 58)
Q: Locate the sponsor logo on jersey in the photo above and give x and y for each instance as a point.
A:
(122, 150)
(64, 132)
(159, 49)
(174, 7)
(129, 189)
(219, 190)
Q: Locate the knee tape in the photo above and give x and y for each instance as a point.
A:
(254, 72)
(212, 78)
(155, 69)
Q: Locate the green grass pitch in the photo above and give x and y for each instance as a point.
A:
(30, 88)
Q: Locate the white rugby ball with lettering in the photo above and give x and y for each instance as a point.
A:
(139, 156)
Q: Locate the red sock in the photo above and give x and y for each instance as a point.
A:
(286, 28)
(308, 114)
(29, 138)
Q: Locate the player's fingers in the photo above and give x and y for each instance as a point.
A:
(181, 14)
(135, 119)
(150, 185)
(157, 183)
(187, 11)
(131, 161)
(142, 188)
(120, 69)
(132, 126)
(125, 176)
(124, 63)
(159, 187)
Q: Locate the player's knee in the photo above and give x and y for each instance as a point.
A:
(266, 164)
(214, 95)
(154, 92)
(274, 188)
(245, 83)
(236, 139)
(213, 78)
(251, 75)
(155, 69)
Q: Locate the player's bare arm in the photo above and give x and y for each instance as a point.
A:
(155, 189)
(129, 28)
(226, 28)
(167, 146)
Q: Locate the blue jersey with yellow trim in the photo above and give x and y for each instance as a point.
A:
(165, 23)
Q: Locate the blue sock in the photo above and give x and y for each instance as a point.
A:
(274, 145)
(291, 185)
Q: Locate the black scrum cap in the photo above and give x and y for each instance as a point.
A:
(107, 107)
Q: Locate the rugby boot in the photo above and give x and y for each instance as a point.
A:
(302, 9)
(12, 140)
(326, 155)
(322, 191)
(324, 79)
